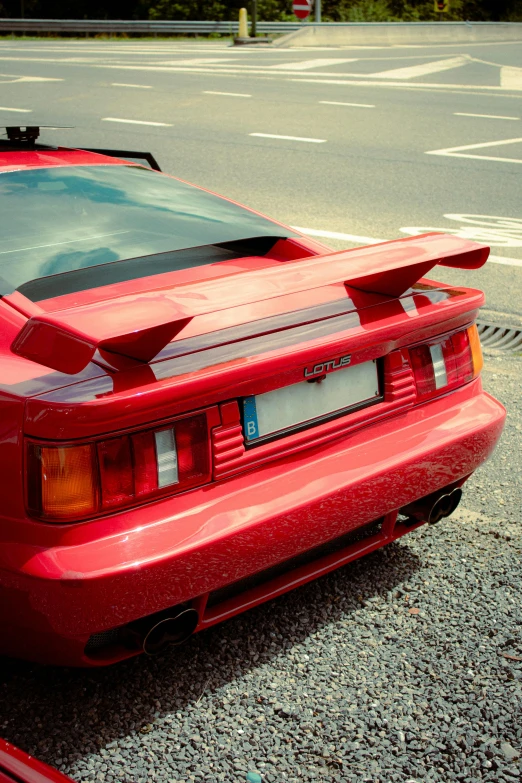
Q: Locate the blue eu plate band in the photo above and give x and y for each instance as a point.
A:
(250, 424)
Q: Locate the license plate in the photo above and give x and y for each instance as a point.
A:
(302, 404)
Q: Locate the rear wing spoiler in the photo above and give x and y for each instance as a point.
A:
(138, 326)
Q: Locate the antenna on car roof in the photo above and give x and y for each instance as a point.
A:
(26, 135)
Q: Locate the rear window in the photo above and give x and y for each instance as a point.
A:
(56, 221)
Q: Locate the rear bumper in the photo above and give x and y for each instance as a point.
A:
(107, 573)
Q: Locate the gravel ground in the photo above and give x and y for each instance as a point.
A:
(405, 666)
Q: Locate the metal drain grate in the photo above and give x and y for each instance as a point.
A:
(502, 338)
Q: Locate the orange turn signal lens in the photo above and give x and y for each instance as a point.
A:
(476, 350)
(64, 481)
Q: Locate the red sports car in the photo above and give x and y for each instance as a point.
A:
(201, 408)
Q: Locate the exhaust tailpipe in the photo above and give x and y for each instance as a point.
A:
(432, 509)
(170, 631)
(445, 506)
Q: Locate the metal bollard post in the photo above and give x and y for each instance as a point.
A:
(243, 23)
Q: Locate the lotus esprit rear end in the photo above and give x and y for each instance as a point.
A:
(201, 409)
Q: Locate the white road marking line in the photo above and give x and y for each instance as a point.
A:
(460, 152)
(242, 70)
(39, 79)
(218, 47)
(11, 78)
(485, 116)
(22, 111)
(341, 103)
(511, 78)
(354, 78)
(306, 65)
(74, 60)
(233, 94)
(493, 230)
(411, 71)
(138, 86)
(422, 86)
(504, 260)
(336, 235)
(197, 61)
(288, 138)
(136, 122)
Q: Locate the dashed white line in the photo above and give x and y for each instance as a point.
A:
(341, 103)
(485, 116)
(7, 78)
(232, 94)
(288, 138)
(22, 111)
(138, 86)
(358, 240)
(137, 122)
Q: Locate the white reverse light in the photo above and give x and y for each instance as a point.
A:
(167, 458)
(439, 366)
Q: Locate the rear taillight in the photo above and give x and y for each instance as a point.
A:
(63, 481)
(69, 482)
(447, 362)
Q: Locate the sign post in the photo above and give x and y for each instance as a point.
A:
(253, 27)
(318, 11)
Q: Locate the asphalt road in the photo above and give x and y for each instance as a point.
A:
(382, 142)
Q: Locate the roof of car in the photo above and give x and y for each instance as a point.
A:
(21, 159)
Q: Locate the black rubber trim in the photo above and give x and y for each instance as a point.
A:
(126, 154)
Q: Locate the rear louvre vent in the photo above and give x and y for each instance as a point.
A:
(399, 381)
(228, 448)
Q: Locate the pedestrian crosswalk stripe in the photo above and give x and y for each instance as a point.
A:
(411, 71)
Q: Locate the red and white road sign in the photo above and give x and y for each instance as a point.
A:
(302, 8)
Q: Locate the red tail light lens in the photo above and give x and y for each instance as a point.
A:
(191, 442)
(423, 370)
(70, 482)
(145, 466)
(463, 358)
(446, 363)
(116, 475)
